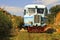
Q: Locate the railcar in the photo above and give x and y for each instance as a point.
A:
(35, 17)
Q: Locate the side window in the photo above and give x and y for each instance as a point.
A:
(24, 12)
(31, 10)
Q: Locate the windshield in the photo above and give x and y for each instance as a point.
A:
(40, 10)
(31, 10)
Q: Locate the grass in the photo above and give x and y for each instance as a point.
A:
(36, 36)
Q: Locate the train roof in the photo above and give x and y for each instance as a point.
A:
(33, 6)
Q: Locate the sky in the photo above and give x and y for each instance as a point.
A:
(16, 7)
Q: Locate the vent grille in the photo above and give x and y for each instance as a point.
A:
(37, 18)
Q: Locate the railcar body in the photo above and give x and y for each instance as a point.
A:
(35, 18)
(35, 15)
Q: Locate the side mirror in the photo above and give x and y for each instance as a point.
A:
(24, 12)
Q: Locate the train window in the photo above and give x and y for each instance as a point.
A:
(31, 10)
(40, 10)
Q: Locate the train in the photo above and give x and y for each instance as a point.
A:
(35, 17)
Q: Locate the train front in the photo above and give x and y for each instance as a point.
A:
(34, 15)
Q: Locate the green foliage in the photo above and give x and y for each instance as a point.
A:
(50, 18)
(18, 21)
(53, 12)
(8, 24)
(5, 25)
(55, 9)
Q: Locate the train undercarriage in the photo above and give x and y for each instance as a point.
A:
(39, 29)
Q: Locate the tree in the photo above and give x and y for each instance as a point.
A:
(53, 12)
(18, 21)
(50, 18)
(5, 25)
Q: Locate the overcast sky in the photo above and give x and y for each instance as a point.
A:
(16, 6)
